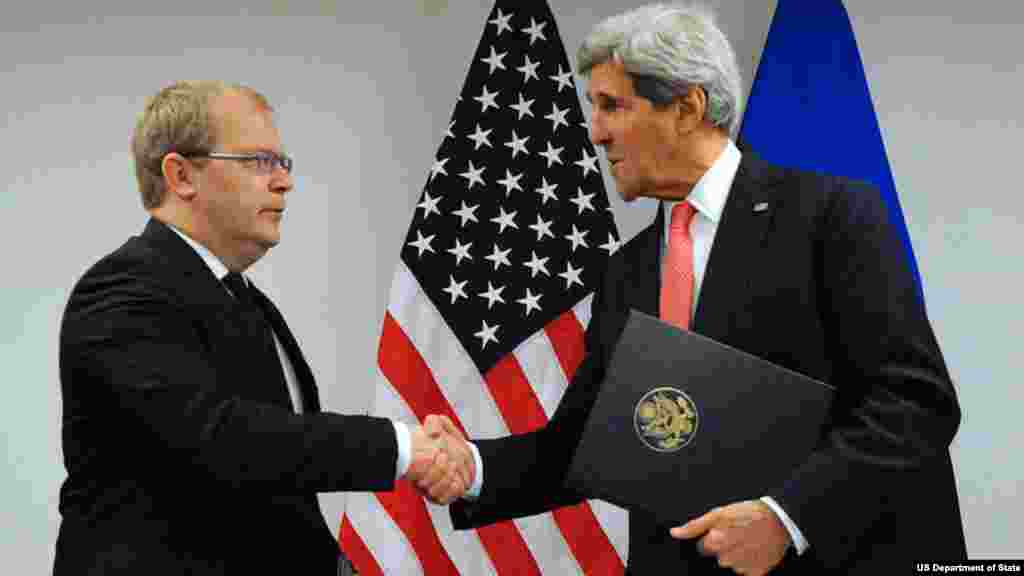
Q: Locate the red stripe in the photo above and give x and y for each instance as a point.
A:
(514, 396)
(587, 540)
(406, 508)
(405, 369)
(523, 412)
(354, 547)
(566, 336)
(403, 366)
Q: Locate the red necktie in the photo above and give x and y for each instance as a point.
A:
(677, 268)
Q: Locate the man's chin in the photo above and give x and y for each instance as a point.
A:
(628, 195)
(268, 241)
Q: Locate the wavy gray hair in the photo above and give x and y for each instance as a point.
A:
(666, 49)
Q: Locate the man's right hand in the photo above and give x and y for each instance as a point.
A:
(438, 467)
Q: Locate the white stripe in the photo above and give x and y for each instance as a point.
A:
(536, 356)
(547, 544)
(457, 376)
(465, 390)
(381, 535)
(544, 371)
(463, 546)
(615, 522)
(582, 310)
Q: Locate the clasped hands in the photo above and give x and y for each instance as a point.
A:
(745, 536)
(442, 466)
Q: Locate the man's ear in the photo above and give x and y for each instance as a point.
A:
(180, 176)
(690, 109)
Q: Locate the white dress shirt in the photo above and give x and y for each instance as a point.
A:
(708, 198)
(219, 270)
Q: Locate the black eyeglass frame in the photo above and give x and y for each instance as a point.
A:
(266, 161)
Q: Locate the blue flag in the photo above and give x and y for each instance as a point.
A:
(810, 108)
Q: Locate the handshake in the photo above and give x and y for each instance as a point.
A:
(442, 466)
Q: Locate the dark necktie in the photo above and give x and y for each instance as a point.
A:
(262, 330)
(239, 290)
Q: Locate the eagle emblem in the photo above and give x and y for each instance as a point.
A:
(665, 419)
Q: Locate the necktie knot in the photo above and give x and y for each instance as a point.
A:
(245, 295)
(235, 283)
(682, 215)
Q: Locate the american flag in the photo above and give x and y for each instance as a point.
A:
(489, 303)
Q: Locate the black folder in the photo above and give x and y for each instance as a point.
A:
(683, 423)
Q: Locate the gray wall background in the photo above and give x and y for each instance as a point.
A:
(364, 93)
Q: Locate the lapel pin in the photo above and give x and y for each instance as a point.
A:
(760, 207)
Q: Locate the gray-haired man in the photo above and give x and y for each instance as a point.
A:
(813, 279)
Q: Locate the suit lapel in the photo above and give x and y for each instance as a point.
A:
(304, 375)
(643, 257)
(726, 288)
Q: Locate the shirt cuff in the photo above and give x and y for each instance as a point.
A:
(795, 534)
(404, 438)
(478, 479)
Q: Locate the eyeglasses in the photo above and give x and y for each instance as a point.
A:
(265, 162)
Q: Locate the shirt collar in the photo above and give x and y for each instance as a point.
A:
(215, 265)
(711, 191)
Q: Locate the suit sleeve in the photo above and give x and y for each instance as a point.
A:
(132, 351)
(895, 411)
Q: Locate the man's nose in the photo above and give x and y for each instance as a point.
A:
(598, 134)
(282, 181)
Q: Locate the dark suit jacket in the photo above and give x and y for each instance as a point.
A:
(817, 283)
(183, 453)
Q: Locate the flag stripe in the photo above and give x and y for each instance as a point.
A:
(523, 413)
(413, 315)
(441, 353)
(566, 337)
(614, 521)
(547, 544)
(582, 310)
(515, 398)
(408, 373)
(403, 504)
(409, 511)
(357, 551)
(462, 384)
(580, 528)
(372, 522)
(387, 544)
(538, 356)
(587, 540)
(612, 518)
(464, 546)
(539, 362)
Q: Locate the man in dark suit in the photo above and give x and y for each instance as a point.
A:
(192, 431)
(798, 268)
